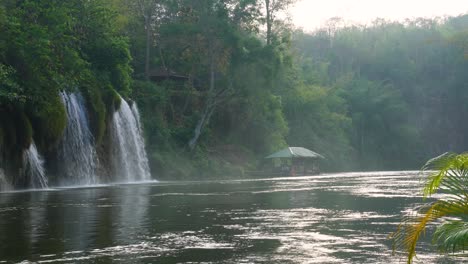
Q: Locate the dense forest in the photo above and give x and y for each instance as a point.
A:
(403, 85)
(222, 83)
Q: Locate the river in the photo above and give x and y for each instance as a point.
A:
(335, 218)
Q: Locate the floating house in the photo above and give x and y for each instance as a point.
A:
(295, 161)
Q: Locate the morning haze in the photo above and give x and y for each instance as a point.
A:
(310, 15)
(226, 131)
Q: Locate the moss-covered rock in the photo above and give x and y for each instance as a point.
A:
(49, 120)
(16, 130)
(112, 99)
(24, 130)
(15, 136)
(101, 103)
(97, 111)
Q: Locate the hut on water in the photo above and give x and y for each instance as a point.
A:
(295, 161)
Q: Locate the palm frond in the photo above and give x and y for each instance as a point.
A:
(438, 164)
(451, 236)
(447, 173)
(445, 165)
(411, 228)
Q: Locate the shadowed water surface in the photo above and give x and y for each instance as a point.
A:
(336, 218)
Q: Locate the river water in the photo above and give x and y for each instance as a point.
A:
(336, 218)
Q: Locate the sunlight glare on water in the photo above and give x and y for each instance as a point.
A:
(334, 218)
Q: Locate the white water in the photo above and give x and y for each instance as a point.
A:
(34, 168)
(129, 160)
(77, 154)
(4, 184)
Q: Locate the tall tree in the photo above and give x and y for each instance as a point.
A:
(153, 12)
(214, 41)
(272, 10)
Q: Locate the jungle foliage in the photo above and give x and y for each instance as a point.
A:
(49, 47)
(52, 46)
(222, 83)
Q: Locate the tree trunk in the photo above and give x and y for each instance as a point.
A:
(268, 21)
(208, 111)
(148, 47)
(163, 62)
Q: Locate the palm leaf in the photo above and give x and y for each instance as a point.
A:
(447, 173)
(447, 164)
(452, 236)
(412, 226)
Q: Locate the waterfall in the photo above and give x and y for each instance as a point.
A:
(129, 160)
(4, 184)
(34, 168)
(77, 155)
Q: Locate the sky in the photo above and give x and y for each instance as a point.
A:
(312, 14)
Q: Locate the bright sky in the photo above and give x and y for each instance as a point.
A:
(312, 14)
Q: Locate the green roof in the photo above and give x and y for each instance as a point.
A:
(295, 152)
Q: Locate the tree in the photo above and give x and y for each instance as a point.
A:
(379, 121)
(272, 9)
(317, 119)
(449, 212)
(153, 13)
(10, 91)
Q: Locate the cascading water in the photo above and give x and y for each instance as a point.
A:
(129, 160)
(77, 154)
(34, 168)
(4, 184)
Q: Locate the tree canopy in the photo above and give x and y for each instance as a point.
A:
(233, 77)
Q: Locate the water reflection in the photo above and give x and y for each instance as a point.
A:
(131, 216)
(339, 218)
